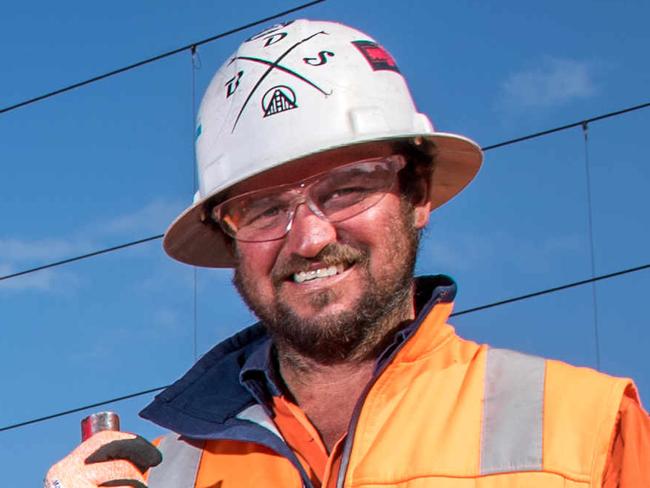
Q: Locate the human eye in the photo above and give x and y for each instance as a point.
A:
(348, 192)
(344, 193)
(265, 213)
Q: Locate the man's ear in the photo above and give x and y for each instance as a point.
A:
(421, 214)
(232, 247)
(421, 204)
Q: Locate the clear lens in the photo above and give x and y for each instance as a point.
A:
(351, 190)
(258, 216)
(335, 196)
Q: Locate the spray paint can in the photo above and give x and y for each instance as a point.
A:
(98, 422)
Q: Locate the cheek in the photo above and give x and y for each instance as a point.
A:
(389, 232)
(257, 256)
(381, 231)
(255, 265)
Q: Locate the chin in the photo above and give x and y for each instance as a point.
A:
(324, 303)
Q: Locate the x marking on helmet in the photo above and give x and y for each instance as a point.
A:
(276, 65)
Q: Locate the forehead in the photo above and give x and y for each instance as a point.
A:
(300, 169)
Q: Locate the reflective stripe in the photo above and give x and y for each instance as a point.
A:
(257, 415)
(181, 459)
(511, 437)
(180, 464)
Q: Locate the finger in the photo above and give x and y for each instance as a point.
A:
(110, 471)
(94, 442)
(72, 472)
(142, 454)
(124, 483)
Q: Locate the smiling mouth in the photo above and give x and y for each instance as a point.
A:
(317, 274)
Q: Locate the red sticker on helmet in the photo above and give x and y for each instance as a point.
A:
(378, 58)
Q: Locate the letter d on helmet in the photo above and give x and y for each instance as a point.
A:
(297, 89)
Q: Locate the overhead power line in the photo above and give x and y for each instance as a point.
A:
(158, 57)
(580, 123)
(592, 247)
(80, 409)
(486, 148)
(553, 290)
(462, 312)
(79, 258)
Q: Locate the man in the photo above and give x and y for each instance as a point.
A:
(317, 175)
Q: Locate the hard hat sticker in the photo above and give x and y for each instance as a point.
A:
(231, 85)
(378, 58)
(273, 38)
(278, 99)
(320, 60)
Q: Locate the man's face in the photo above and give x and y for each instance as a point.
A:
(327, 290)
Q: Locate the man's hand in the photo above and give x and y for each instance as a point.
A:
(108, 458)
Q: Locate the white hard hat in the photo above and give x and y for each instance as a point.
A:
(294, 90)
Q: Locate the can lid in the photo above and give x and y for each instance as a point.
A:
(98, 422)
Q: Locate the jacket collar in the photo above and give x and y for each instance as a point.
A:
(239, 372)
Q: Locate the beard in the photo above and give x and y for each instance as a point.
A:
(355, 334)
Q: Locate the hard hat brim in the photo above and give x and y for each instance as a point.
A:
(194, 239)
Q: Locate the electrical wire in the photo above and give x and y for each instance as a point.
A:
(158, 57)
(462, 312)
(567, 126)
(592, 253)
(553, 290)
(79, 258)
(79, 409)
(486, 148)
(196, 65)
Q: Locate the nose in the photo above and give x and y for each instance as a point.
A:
(308, 234)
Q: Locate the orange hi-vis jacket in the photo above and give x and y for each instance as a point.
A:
(440, 412)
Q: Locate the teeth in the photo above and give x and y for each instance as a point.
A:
(303, 276)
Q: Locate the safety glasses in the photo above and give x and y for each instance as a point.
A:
(335, 196)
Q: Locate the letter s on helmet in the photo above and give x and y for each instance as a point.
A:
(294, 90)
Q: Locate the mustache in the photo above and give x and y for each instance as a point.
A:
(330, 255)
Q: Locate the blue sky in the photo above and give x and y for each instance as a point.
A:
(112, 162)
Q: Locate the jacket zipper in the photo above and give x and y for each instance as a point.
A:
(347, 447)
